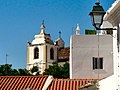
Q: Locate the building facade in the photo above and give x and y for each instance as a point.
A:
(84, 52)
(113, 17)
(97, 56)
(42, 51)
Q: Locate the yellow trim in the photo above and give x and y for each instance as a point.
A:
(44, 58)
(28, 56)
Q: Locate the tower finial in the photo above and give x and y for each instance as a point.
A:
(43, 28)
(78, 30)
(59, 34)
(98, 1)
(43, 22)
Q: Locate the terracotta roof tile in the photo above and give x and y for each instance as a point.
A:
(68, 84)
(37, 83)
(22, 82)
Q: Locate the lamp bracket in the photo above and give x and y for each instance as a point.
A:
(105, 28)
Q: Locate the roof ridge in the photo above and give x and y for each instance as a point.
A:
(26, 76)
(76, 79)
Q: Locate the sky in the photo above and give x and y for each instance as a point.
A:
(20, 20)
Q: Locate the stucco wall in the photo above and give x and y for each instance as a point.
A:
(44, 56)
(83, 48)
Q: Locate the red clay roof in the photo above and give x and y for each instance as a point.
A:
(22, 82)
(37, 83)
(69, 84)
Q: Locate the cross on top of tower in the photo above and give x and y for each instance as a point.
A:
(59, 34)
(98, 1)
(43, 28)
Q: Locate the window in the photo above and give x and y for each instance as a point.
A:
(36, 53)
(97, 63)
(52, 53)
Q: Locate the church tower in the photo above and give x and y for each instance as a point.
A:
(60, 42)
(41, 52)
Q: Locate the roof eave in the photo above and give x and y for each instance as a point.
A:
(111, 16)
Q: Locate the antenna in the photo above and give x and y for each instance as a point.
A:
(6, 65)
(6, 58)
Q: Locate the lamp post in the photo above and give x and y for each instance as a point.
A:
(97, 15)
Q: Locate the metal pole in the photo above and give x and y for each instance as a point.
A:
(6, 65)
(6, 58)
(98, 58)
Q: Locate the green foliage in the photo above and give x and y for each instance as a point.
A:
(65, 70)
(6, 70)
(54, 69)
(109, 32)
(93, 32)
(90, 31)
(34, 69)
(58, 71)
(23, 72)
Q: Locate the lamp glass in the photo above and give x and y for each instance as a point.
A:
(97, 20)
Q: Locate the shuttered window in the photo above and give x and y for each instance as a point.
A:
(97, 63)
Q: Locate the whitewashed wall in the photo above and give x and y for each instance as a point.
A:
(83, 48)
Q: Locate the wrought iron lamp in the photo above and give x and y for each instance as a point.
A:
(97, 15)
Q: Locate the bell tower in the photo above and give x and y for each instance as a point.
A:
(40, 51)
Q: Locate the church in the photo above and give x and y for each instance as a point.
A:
(42, 51)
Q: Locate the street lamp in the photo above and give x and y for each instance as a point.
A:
(97, 15)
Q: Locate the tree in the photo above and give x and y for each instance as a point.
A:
(23, 72)
(34, 70)
(58, 71)
(65, 70)
(6, 70)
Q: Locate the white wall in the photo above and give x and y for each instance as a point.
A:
(49, 61)
(83, 48)
(40, 61)
(111, 82)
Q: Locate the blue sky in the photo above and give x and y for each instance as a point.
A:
(20, 20)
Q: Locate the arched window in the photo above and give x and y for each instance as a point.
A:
(52, 53)
(36, 53)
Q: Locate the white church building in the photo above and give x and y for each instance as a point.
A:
(43, 51)
(98, 56)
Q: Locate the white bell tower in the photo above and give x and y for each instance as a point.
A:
(41, 52)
